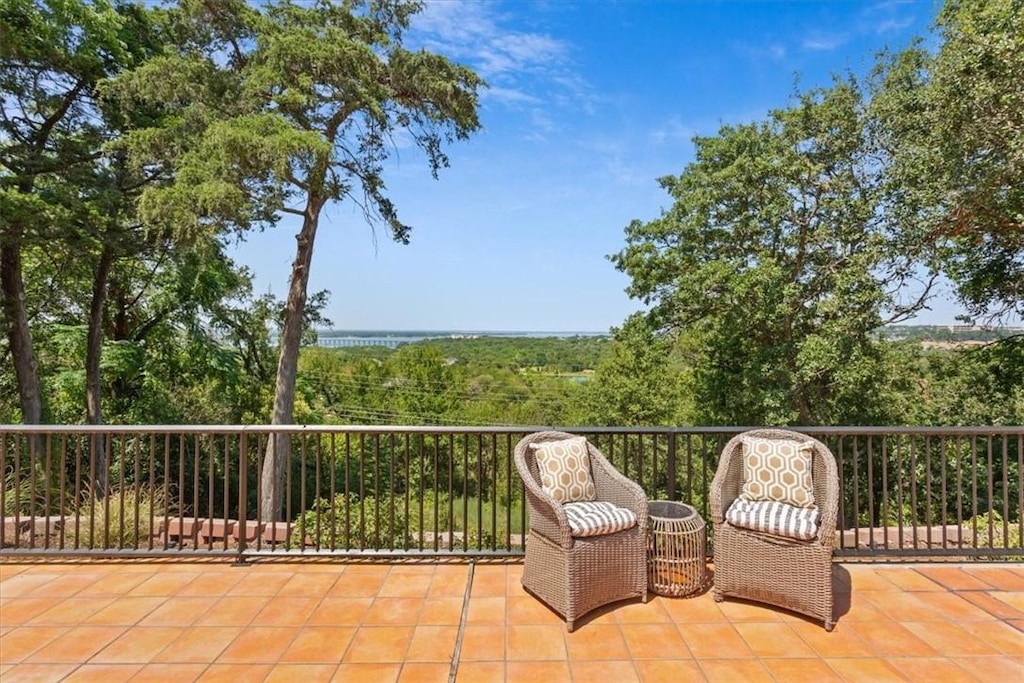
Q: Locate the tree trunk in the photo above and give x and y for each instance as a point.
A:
(18, 334)
(278, 446)
(93, 353)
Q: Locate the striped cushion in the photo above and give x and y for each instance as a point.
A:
(774, 518)
(597, 517)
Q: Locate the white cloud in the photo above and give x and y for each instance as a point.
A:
(508, 95)
(888, 17)
(773, 50)
(891, 16)
(474, 31)
(525, 49)
(541, 121)
(673, 131)
(893, 25)
(519, 65)
(821, 41)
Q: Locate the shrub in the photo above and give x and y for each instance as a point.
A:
(33, 493)
(349, 523)
(980, 523)
(126, 514)
(475, 539)
(431, 499)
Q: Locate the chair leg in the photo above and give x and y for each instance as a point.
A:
(570, 625)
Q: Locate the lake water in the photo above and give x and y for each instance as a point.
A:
(392, 339)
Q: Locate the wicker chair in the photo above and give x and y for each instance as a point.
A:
(576, 575)
(788, 573)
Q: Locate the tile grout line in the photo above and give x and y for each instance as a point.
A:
(985, 591)
(454, 670)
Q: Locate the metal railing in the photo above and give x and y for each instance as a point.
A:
(434, 491)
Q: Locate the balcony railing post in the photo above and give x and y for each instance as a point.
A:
(243, 494)
(670, 466)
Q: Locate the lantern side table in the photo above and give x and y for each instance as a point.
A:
(676, 549)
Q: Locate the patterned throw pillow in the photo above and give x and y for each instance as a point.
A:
(565, 469)
(777, 469)
(772, 517)
(597, 517)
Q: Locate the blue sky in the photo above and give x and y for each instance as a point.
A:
(590, 102)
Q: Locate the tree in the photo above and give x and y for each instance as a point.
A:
(778, 258)
(954, 125)
(52, 54)
(282, 108)
(636, 385)
(58, 189)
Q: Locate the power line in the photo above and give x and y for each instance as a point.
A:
(543, 396)
(363, 412)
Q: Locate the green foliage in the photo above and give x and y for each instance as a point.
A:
(35, 492)
(475, 539)
(636, 384)
(58, 191)
(125, 519)
(423, 384)
(963, 386)
(553, 354)
(774, 258)
(953, 122)
(284, 107)
(992, 531)
(349, 522)
(185, 341)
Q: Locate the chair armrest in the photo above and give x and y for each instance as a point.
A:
(547, 516)
(614, 487)
(829, 507)
(725, 487)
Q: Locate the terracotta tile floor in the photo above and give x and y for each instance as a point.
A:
(319, 621)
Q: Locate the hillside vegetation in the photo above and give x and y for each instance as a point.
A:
(134, 151)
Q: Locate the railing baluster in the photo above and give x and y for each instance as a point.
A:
(856, 493)
(391, 489)
(1005, 438)
(990, 493)
(885, 494)
(913, 490)
(942, 488)
(406, 487)
(348, 493)
(78, 491)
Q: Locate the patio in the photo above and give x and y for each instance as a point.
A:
(456, 621)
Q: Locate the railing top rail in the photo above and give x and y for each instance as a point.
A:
(503, 429)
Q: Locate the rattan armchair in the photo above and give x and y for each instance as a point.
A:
(788, 573)
(576, 575)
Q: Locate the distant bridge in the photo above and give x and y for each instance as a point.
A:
(389, 342)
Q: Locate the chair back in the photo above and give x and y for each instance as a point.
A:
(824, 475)
(526, 458)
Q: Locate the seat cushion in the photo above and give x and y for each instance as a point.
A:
(594, 518)
(564, 468)
(779, 470)
(773, 517)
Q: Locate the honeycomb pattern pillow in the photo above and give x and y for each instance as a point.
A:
(779, 470)
(564, 468)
